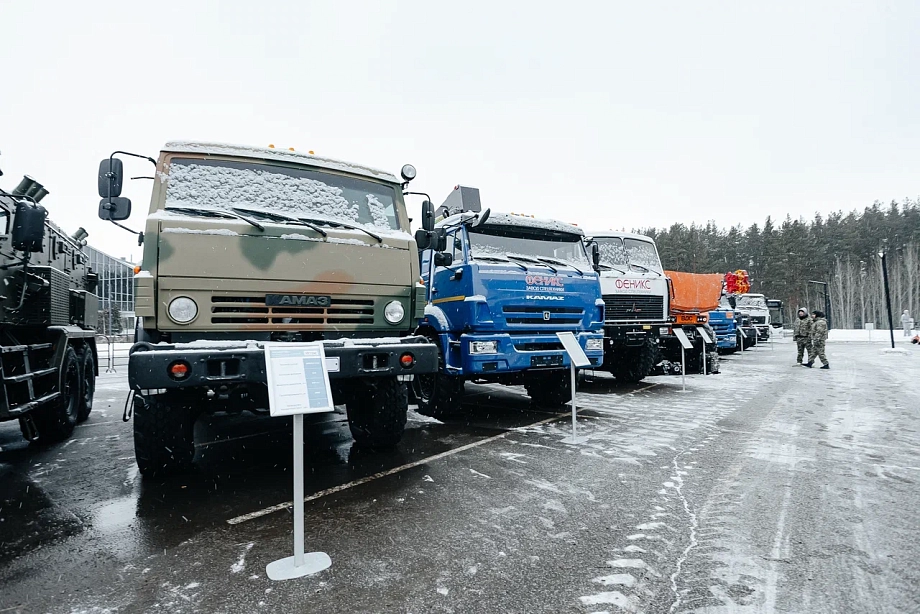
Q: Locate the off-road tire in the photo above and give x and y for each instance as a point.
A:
(88, 383)
(164, 441)
(713, 363)
(57, 419)
(377, 409)
(550, 389)
(634, 363)
(438, 395)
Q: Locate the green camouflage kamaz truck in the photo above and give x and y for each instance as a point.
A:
(244, 246)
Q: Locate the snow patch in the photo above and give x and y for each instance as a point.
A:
(225, 232)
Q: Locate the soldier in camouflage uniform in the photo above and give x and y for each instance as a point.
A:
(801, 334)
(818, 337)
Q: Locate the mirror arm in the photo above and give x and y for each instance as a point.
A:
(143, 177)
(134, 232)
(416, 194)
(128, 153)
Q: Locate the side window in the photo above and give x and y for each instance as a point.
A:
(425, 260)
(4, 221)
(455, 245)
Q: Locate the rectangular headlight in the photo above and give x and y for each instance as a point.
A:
(594, 344)
(483, 347)
(663, 330)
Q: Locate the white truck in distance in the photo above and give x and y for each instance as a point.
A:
(636, 301)
(755, 305)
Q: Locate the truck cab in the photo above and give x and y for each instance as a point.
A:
(504, 285)
(722, 322)
(245, 246)
(637, 298)
(755, 306)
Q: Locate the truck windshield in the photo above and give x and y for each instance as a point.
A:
(643, 254)
(498, 242)
(617, 252)
(293, 191)
(752, 301)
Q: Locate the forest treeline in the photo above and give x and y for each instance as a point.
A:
(841, 249)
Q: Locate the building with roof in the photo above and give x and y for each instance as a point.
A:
(115, 289)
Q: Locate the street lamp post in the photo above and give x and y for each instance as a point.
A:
(882, 255)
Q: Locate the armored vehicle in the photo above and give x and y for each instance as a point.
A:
(636, 299)
(244, 246)
(499, 292)
(48, 310)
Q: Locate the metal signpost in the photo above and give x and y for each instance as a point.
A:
(298, 384)
(706, 339)
(577, 358)
(684, 346)
(743, 337)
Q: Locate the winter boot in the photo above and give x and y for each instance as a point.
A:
(809, 364)
(827, 366)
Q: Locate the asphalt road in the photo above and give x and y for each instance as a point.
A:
(767, 488)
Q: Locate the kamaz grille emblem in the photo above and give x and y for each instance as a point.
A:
(546, 315)
(297, 300)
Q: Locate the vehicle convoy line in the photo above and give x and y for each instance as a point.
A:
(382, 474)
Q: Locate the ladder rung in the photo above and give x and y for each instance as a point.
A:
(26, 376)
(21, 409)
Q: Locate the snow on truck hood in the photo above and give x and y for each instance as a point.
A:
(265, 153)
(519, 221)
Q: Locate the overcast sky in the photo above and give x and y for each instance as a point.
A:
(605, 114)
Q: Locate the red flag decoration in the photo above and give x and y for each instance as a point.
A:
(737, 282)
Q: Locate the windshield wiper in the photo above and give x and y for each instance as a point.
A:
(563, 263)
(533, 259)
(283, 218)
(646, 269)
(610, 266)
(215, 213)
(499, 259)
(335, 223)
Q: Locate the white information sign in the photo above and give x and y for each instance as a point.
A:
(682, 337)
(704, 334)
(572, 347)
(297, 378)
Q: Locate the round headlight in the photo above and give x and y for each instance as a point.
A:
(183, 310)
(408, 172)
(394, 312)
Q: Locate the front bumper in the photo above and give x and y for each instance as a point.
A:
(518, 353)
(763, 332)
(230, 363)
(632, 334)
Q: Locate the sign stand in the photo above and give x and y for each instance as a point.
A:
(706, 339)
(298, 384)
(685, 345)
(577, 358)
(743, 337)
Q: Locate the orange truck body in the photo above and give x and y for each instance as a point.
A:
(695, 295)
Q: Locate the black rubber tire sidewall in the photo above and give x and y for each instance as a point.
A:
(164, 440)
(377, 410)
(88, 383)
(57, 419)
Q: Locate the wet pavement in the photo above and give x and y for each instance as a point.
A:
(767, 488)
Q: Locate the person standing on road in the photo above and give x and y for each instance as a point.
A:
(801, 334)
(818, 338)
(905, 322)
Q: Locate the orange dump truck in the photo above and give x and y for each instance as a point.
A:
(693, 296)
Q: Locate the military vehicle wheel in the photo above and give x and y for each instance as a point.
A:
(438, 395)
(550, 389)
(56, 420)
(635, 363)
(88, 381)
(164, 440)
(377, 411)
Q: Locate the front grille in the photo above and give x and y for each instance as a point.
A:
(529, 314)
(759, 319)
(253, 310)
(633, 307)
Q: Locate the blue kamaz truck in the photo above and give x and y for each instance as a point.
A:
(722, 322)
(500, 286)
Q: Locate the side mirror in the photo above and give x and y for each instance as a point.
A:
(115, 209)
(29, 227)
(441, 236)
(443, 259)
(422, 239)
(111, 177)
(483, 217)
(595, 254)
(427, 215)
